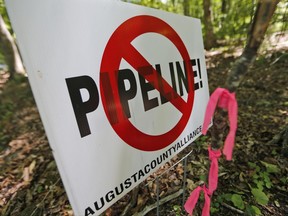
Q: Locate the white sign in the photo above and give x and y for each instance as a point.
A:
(120, 88)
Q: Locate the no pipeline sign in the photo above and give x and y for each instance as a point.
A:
(121, 89)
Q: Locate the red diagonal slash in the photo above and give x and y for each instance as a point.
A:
(138, 59)
(120, 47)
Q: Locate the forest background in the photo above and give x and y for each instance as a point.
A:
(254, 183)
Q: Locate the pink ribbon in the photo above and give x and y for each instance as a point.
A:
(192, 201)
(213, 182)
(213, 172)
(227, 101)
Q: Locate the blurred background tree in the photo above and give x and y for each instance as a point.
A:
(224, 22)
(9, 54)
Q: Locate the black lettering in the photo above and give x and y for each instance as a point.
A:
(153, 164)
(126, 95)
(110, 196)
(200, 83)
(121, 188)
(97, 207)
(159, 159)
(190, 136)
(174, 148)
(182, 77)
(146, 87)
(195, 133)
(172, 74)
(80, 107)
(170, 150)
(199, 68)
(89, 211)
(178, 146)
(147, 169)
(188, 140)
(127, 183)
(140, 174)
(165, 97)
(193, 62)
(165, 155)
(134, 177)
(109, 98)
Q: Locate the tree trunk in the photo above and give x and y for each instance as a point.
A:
(210, 38)
(10, 51)
(224, 7)
(186, 7)
(264, 12)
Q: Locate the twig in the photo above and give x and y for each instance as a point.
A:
(268, 209)
(276, 60)
(232, 208)
(161, 202)
(132, 202)
(48, 192)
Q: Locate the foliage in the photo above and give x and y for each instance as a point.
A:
(3, 13)
(231, 18)
(259, 182)
(260, 197)
(237, 201)
(177, 209)
(170, 6)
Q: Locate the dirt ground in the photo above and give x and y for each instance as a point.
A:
(30, 183)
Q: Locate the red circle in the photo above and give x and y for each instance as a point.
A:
(119, 47)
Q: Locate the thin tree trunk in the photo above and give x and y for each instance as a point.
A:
(263, 15)
(224, 7)
(264, 12)
(186, 7)
(10, 51)
(210, 38)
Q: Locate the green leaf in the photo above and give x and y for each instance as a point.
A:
(237, 201)
(284, 180)
(259, 184)
(227, 196)
(214, 210)
(268, 182)
(252, 210)
(249, 211)
(256, 210)
(176, 207)
(252, 165)
(203, 178)
(271, 168)
(260, 196)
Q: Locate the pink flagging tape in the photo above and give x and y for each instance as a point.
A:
(213, 172)
(225, 100)
(192, 201)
